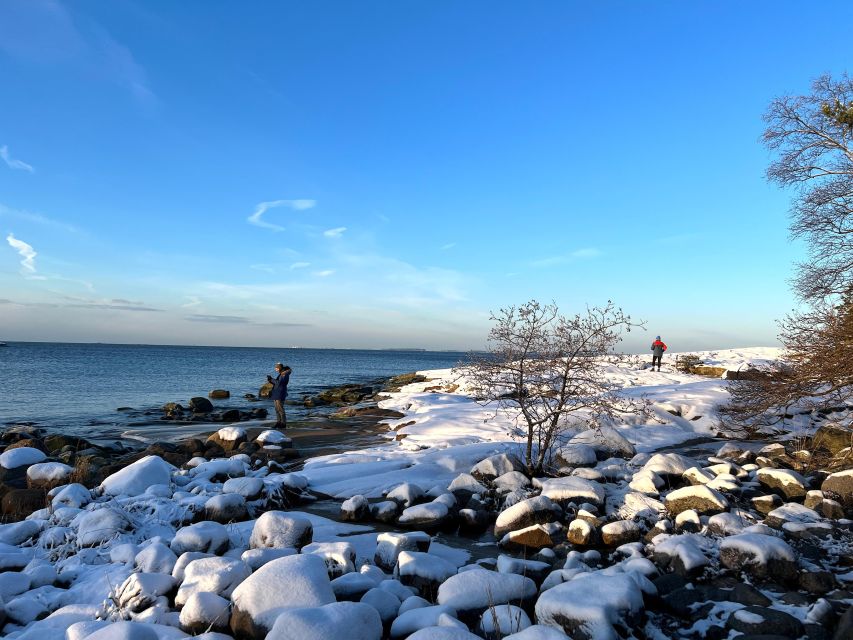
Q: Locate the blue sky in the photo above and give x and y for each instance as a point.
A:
(384, 174)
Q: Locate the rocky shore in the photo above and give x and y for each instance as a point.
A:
(721, 540)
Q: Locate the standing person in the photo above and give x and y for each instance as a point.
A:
(279, 393)
(658, 347)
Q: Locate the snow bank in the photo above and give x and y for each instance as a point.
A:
(134, 479)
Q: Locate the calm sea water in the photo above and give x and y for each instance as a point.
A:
(77, 388)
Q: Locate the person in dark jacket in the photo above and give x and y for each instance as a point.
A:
(658, 347)
(279, 393)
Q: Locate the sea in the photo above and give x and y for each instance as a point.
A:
(77, 389)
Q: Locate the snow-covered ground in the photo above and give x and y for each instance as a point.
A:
(220, 548)
(445, 431)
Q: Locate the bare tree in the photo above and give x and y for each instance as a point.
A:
(813, 138)
(548, 367)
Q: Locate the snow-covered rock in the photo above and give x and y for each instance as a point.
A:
(204, 611)
(684, 554)
(511, 481)
(502, 620)
(225, 508)
(496, 465)
(591, 605)
(256, 558)
(424, 571)
(607, 441)
(760, 556)
(700, 498)
(406, 494)
(351, 620)
(470, 593)
(249, 488)
(205, 536)
(338, 556)
(156, 558)
(573, 489)
(17, 533)
(465, 482)
(99, 526)
(279, 529)
(577, 455)
(422, 618)
(387, 605)
(212, 575)
(389, 546)
(48, 474)
(537, 510)
(21, 457)
(790, 483)
(262, 597)
(135, 478)
(355, 509)
(431, 515)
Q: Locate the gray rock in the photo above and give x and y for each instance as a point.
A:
(833, 437)
(765, 621)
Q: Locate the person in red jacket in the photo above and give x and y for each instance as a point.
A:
(658, 347)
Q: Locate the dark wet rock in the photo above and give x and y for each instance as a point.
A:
(58, 442)
(219, 394)
(397, 382)
(32, 443)
(765, 621)
(668, 582)
(473, 521)
(746, 594)
(817, 582)
(231, 415)
(844, 630)
(200, 405)
(759, 556)
(681, 602)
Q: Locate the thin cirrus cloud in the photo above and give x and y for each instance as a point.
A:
(225, 319)
(324, 273)
(262, 207)
(586, 253)
(337, 232)
(28, 257)
(299, 265)
(14, 163)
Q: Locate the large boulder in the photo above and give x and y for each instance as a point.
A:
(276, 529)
(200, 405)
(46, 475)
(573, 489)
(538, 510)
(495, 466)
(839, 487)
(204, 612)
(471, 593)
(576, 455)
(351, 620)
(592, 605)
(390, 545)
(206, 537)
(134, 479)
(789, 483)
(700, 498)
(607, 442)
(760, 556)
(282, 584)
(229, 438)
(423, 571)
(212, 575)
(833, 437)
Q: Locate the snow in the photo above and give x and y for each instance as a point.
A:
(387, 604)
(205, 536)
(135, 478)
(424, 565)
(49, 472)
(480, 588)
(100, 526)
(213, 575)
(351, 620)
(272, 437)
(262, 598)
(688, 548)
(278, 529)
(424, 513)
(592, 600)
(70, 495)
(18, 532)
(406, 494)
(537, 632)
(748, 617)
(702, 498)
(20, 457)
(422, 617)
(573, 489)
(503, 620)
(466, 482)
(230, 434)
(203, 610)
(762, 548)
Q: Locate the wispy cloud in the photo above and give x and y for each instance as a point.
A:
(325, 273)
(116, 304)
(221, 319)
(447, 246)
(262, 207)
(46, 32)
(337, 232)
(28, 257)
(194, 301)
(13, 163)
(585, 253)
(36, 218)
(262, 267)
(299, 265)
